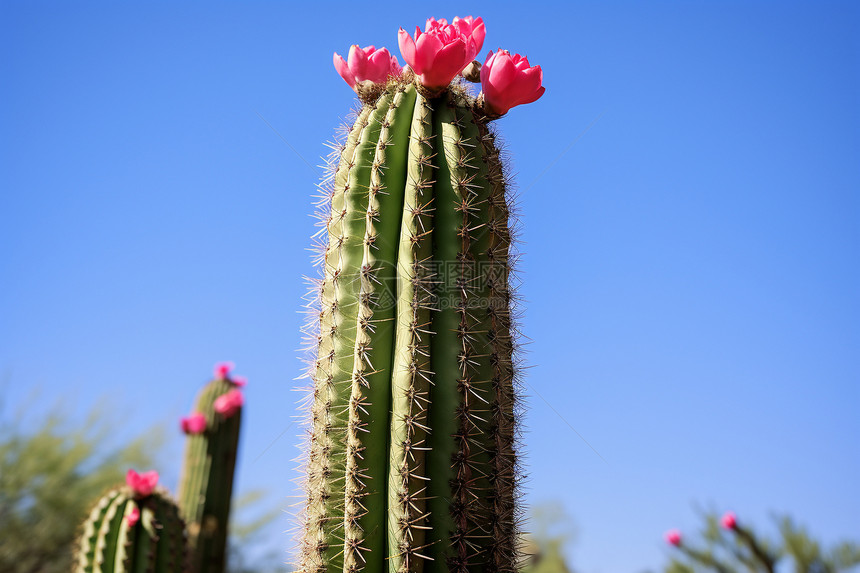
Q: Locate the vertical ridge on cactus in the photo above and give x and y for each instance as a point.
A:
(206, 482)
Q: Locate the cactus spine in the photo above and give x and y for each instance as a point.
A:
(206, 484)
(127, 535)
(411, 464)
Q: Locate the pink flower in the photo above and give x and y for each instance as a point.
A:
(673, 537)
(729, 521)
(508, 80)
(194, 424)
(367, 64)
(133, 517)
(229, 403)
(141, 484)
(222, 370)
(239, 381)
(472, 28)
(442, 50)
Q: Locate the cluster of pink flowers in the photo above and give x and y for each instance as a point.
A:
(443, 50)
(229, 403)
(438, 54)
(141, 485)
(194, 424)
(134, 516)
(225, 405)
(728, 521)
(223, 370)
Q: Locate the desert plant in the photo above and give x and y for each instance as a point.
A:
(411, 463)
(133, 528)
(49, 477)
(206, 485)
(730, 546)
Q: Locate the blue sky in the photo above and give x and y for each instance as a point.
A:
(690, 262)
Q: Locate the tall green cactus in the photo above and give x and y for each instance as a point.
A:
(411, 463)
(127, 532)
(206, 484)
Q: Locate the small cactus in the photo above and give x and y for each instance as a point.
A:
(206, 484)
(134, 528)
(411, 464)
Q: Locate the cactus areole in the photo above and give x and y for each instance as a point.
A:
(411, 461)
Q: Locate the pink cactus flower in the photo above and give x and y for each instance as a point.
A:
(472, 28)
(142, 484)
(239, 381)
(229, 403)
(729, 521)
(194, 424)
(133, 517)
(508, 80)
(222, 370)
(673, 537)
(367, 64)
(442, 50)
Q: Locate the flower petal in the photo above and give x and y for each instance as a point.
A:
(449, 61)
(378, 66)
(407, 47)
(343, 69)
(502, 72)
(426, 48)
(357, 62)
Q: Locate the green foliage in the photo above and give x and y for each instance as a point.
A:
(247, 525)
(49, 478)
(743, 549)
(544, 549)
(549, 559)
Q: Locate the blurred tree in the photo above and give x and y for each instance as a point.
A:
(544, 548)
(48, 479)
(727, 546)
(245, 534)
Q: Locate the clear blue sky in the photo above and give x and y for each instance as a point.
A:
(691, 264)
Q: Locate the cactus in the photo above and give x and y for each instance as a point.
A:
(411, 462)
(133, 532)
(207, 474)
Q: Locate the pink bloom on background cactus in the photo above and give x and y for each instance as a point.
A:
(133, 517)
(239, 381)
(508, 80)
(442, 51)
(229, 403)
(729, 521)
(142, 484)
(367, 64)
(222, 370)
(673, 537)
(194, 424)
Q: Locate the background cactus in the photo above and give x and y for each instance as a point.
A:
(206, 484)
(131, 532)
(411, 464)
